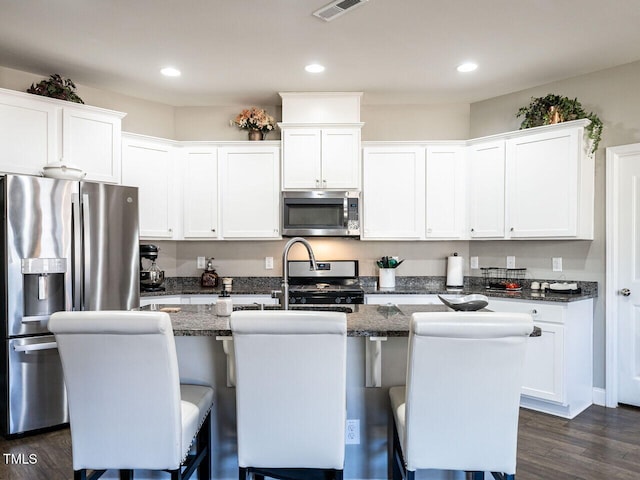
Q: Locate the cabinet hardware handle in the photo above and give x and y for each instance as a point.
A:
(213, 229)
(324, 183)
(534, 312)
(317, 182)
(170, 230)
(511, 229)
(625, 292)
(473, 229)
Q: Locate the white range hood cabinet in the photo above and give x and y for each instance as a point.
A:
(320, 107)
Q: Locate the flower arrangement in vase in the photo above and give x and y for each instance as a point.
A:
(256, 120)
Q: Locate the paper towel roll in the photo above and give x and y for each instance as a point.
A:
(455, 271)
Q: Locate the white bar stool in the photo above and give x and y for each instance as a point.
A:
(291, 369)
(459, 408)
(127, 408)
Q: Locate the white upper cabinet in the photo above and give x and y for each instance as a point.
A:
(445, 192)
(36, 131)
(199, 192)
(249, 182)
(485, 187)
(149, 164)
(92, 141)
(393, 193)
(320, 158)
(536, 183)
(549, 165)
(321, 140)
(28, 133)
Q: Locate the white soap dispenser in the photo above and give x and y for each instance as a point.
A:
(224, 305)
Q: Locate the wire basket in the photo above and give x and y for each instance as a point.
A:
(496, 278)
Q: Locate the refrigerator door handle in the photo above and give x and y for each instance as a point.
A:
(35, 347)
(86, 242)
(77, 293)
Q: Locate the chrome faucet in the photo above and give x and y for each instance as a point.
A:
(283, 295)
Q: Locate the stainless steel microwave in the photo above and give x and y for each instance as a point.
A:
(321, 213)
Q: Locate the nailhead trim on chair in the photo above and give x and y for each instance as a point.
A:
(197, 430)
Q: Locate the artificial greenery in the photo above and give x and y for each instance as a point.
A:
(554, 109)
(56, 87)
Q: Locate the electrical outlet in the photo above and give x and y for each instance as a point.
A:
(352, 434)
(473, 262)
(200, 262)
(511, 261)
(556, 263)
(268, 263)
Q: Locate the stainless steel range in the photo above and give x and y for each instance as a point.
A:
(334, 281)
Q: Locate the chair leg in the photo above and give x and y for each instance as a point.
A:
(176, 474)
(126, 474)
(396, 458)
(80, 474)
(204, 441)
(339, 475)
(477, 475)
(242, 473)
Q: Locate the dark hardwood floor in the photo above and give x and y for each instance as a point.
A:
(600, 444)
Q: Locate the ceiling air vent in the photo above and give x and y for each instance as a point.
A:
(335, 9)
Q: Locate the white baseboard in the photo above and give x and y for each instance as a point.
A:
(599, 397)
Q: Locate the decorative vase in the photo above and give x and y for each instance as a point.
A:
(554, 115)
(256, 135)
(387, 278)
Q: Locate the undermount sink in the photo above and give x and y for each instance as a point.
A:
(316, 308)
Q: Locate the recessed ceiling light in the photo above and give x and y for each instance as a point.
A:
(467, 67)
(314, 68)
(170, 72)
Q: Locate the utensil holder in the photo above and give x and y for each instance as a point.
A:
(387, 278)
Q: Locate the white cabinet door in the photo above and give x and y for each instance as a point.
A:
(91, 140)
(341, 158)
(543, 365)
(486, 187)
(28, 133)
(249, 192)
(149, 165)
(321, 158)
(393, 193)
(445, 192)
(301, 158)
(544, 165)
(200, 192)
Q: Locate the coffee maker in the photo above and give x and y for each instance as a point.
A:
(151, 277)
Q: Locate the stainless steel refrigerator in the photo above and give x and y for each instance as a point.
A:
(66, 245)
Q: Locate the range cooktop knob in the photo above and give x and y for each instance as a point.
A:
(338, 299)
(303, 300)
(348, 300)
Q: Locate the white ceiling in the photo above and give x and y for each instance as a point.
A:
(245, 51)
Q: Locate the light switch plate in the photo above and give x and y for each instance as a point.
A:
(268, 263)
(511, 261)
(473, 262)
(200, 262)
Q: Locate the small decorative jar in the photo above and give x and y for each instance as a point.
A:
(224, 305)
(209, 277)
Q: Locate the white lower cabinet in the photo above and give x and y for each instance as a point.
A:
(161, 300)
(399, 299)
(558, 376)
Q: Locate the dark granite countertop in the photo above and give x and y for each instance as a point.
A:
(404, 286)
(365, 321)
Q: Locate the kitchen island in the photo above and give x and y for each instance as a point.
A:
(559, 379)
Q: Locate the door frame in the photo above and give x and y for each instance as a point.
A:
(613, 155)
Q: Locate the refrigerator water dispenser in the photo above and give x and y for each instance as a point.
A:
(43, 286)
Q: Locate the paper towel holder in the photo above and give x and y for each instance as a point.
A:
(455, 273)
